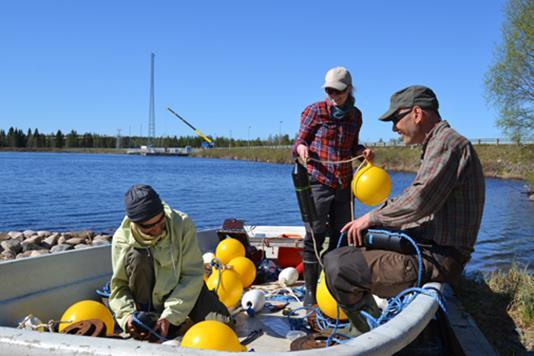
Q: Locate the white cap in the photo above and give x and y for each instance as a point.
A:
(338, 78)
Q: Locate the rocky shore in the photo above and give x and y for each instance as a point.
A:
(29, 243)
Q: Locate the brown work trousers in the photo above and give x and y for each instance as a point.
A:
(352, 271)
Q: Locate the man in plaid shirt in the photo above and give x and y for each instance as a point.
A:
(329, 131)
(441, 210)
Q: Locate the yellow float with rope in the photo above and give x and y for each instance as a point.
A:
(326, 302)
(87, 310)
(227, 284)
(246, 270)
(228, 249)
(371, 185)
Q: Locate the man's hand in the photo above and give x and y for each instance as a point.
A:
(354, 230)
(132, 330)
(302, 151)
(369, 155)
(162, 327)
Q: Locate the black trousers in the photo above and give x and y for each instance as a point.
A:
(141, 280)
(333, 212)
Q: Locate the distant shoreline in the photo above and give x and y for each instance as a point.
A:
(498, 161)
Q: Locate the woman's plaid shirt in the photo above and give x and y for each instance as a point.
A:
(329, 139)
(445, 201)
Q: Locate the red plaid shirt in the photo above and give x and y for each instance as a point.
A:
(329, 139)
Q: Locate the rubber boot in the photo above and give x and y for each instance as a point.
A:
(358, 322)
(311, 275)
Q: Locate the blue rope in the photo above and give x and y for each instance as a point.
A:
(218, 266)
(343, 235)
(298, 291)
(395, 304)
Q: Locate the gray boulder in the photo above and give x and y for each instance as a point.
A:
(61, 248)
(28, 233)
(12, 245)
(16, 235)
(75, 241)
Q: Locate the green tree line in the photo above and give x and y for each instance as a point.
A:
(17, 138)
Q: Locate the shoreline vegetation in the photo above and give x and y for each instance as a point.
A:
(502, 305)
(498, 161)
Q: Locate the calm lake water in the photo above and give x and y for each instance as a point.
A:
(62, 192)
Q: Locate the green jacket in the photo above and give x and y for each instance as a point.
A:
(178, 270)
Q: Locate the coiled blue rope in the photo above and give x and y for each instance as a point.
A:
(401, 300)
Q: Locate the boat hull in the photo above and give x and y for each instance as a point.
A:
(47, 285)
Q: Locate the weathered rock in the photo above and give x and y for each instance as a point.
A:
(23, 255)
(4, 236)
(43, 233)
(51, 240)
(102, 238)
(80, 246)
(30, 246)
(8, 254)
(28, 233)
(75, 241)
(61, 248)
(81, 234)
(12, 245)
(16, 235)
(34, 239)
(100, 242)
(531, 197)
(36, 253)
(61, 240)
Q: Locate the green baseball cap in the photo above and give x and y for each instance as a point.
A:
(409, 97)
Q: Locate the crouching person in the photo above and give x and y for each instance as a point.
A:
(158, 271)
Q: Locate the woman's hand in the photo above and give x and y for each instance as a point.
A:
(302, 151)
(369, 155)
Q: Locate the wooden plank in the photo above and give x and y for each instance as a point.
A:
(465, 331)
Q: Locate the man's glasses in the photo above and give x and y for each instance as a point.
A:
(399, 116)
(149, 226)
(332, 91)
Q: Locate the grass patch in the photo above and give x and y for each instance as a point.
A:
(502, 304)
(502, 161)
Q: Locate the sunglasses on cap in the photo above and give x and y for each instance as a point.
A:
(332, 91)
(149, 226)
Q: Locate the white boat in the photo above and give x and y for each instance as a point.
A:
(46, 286)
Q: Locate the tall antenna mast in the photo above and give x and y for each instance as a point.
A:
(151, 113)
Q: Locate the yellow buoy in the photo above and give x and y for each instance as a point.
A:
(229, 288)
(87, 310)
(371, 185)
(245, 268)
(326, 302)
(212, 335)
(229, 249)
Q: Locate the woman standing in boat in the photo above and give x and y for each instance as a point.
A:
(329, 132)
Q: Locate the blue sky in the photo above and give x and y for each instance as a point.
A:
(238, 66)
